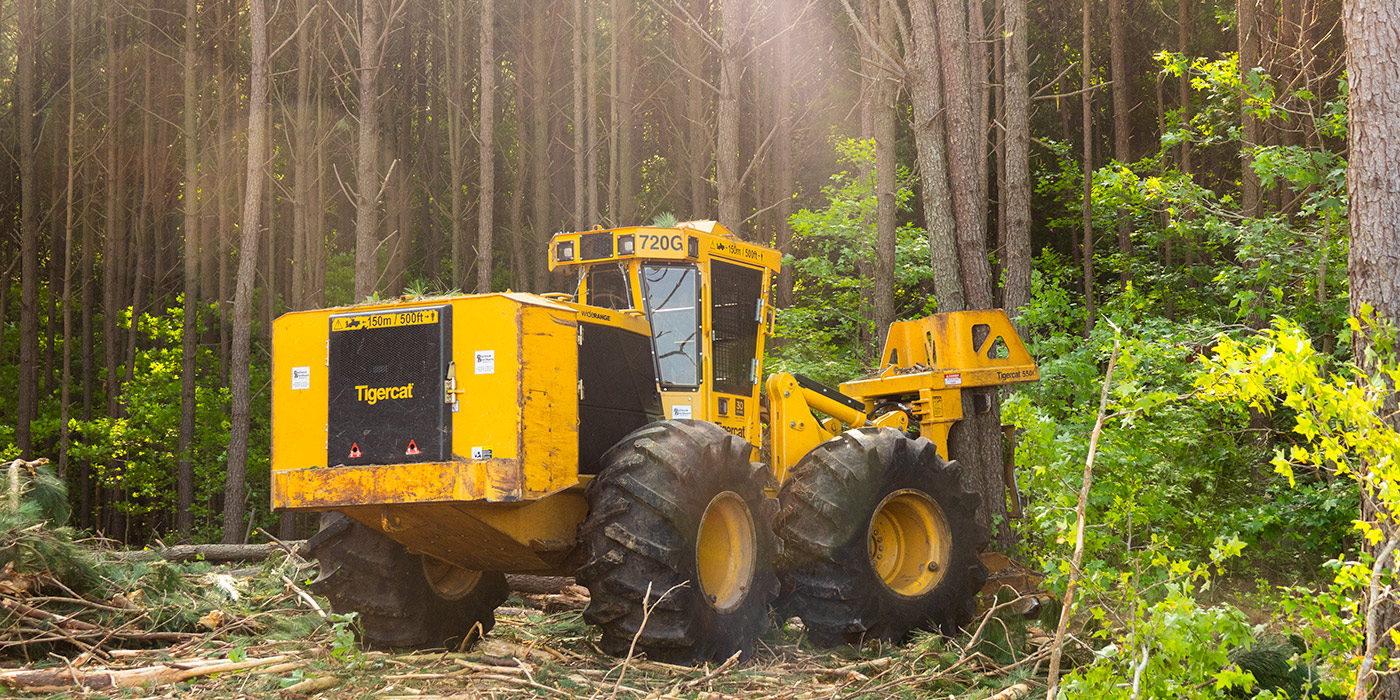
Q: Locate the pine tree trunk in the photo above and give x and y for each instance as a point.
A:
(1017, 290)
(926, 97)
(1118, 64)
(1247, 26)
(367, 180)
(727, 115)
(625, 13)
(64, 437)
(184, 480)
(579, 118)
(487, 162)
(235, 487)
(541, 216)
(964, 155)
(782, 144)
(1373, 68)
(27, 58)
(590, 67)
(1086, 103)
(885, 95)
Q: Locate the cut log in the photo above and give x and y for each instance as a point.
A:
(58, 679)
(213, 553)
(242, 553)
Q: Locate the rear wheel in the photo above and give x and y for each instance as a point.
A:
(404, 601)
(679, 511)
(878, 538)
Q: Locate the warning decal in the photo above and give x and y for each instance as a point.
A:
(394, 319)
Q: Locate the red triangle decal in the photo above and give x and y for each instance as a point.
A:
(354, 450)
(412, 449)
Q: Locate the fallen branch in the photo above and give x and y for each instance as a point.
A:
(1080, 514)
(212, 553)
(58, 679)
(1015, 692)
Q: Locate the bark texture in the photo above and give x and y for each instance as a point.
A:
(235, 488)
(367, 155)
(1373, 46)
(1017, 289)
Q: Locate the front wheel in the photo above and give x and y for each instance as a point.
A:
(878, 538)
(678, 544)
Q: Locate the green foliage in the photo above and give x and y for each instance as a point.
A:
(1151, 637)
(828, 333)
(1342, 431)
(34, 539)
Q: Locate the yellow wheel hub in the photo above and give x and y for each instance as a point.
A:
(726, 551)
(449, 581)
(910, 544)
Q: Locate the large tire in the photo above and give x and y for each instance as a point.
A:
(365, 572)
(643, 532)
(827, 523)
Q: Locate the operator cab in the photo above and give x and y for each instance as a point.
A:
(705, 294)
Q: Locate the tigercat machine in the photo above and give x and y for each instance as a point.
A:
(614, 435)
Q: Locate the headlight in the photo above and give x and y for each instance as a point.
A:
(564, 251)
(624, 245)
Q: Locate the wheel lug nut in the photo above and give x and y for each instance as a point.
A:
(933, 566)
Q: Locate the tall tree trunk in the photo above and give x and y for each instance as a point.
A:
(303, 164)
(1086, 101)
(235, 486)
(1017, 290)
(727, 114)
(184, 479)
(964, 155)
(624, 27)
(64, 436)
(782, 143)
(367, 180)
(27, 58)
(886, 92)
(487, 106)
(697, 114)
(455, 54)
(930, 129)
(541, 217)
(590, 67)
(112, 247)
(579, 119)
(1247, 25)
(1183, 81)
(1118, 64)
(1373, 71)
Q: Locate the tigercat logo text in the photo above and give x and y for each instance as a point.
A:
(371, 395)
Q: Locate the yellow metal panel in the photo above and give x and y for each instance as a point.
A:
(299, 414)
(548, 375)
(426, 482)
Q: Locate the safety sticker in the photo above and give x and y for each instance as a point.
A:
(481, 453)
(301, 378)
(954, 379)
(485, 361)
(354, 450)
(680, 411)
(386, 320)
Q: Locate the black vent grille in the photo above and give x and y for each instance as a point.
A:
(386, 376)
(595, 246)
(735, 292)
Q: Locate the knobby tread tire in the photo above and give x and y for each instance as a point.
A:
(825, 508)
(365, 572)
(645, 508)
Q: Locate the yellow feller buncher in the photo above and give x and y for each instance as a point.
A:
(614, 435)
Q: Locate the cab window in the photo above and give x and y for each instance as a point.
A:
(672, 295)
(609, 287)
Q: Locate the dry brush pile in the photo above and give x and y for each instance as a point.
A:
(76, 617)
